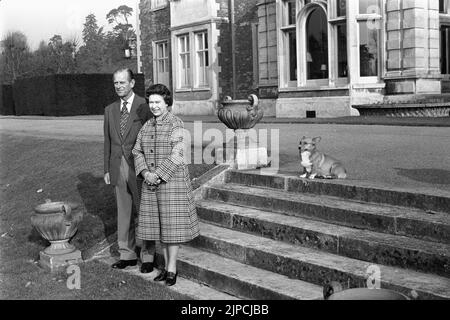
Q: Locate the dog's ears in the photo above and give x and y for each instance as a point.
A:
(316, 139)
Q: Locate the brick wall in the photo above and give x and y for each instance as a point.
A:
(245, 13)
(154, 26)
(224, 55)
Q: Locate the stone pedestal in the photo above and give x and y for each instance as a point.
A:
(243, 152)
(248, 154)
(57, 222)
(58, 262)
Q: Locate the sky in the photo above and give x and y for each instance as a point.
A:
(41, 19)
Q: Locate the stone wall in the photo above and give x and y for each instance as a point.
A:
(155, 25)
(245, 14)
(412, 47)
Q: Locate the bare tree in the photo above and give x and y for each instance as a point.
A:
(16, 56)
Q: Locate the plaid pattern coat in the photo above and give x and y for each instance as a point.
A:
(167, 214)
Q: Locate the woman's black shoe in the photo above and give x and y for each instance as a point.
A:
(162, 276)
(171, 278)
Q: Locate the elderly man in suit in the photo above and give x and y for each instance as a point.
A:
(122, 121)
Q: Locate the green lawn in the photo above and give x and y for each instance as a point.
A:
(64, 171)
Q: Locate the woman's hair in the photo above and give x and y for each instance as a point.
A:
(161, 90)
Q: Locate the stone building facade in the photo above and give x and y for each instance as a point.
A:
(303, 58)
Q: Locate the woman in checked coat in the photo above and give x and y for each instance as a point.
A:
(167, 210)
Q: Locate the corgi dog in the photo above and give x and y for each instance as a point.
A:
(316, 163)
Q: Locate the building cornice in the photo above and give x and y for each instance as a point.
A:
(199, 23)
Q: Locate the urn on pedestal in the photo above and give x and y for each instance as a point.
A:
(57, 222)
(240, 114)
(242, 152)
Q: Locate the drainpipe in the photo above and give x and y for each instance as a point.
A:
(138, 37)
(233, 46)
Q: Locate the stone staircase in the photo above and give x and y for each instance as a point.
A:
(282, 237)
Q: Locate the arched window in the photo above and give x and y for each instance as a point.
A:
(313, 43)
(317, 45)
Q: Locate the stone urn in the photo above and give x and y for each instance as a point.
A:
(57, 222)
(240, 114)
(242, 152)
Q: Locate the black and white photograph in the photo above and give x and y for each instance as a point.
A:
(218, 155)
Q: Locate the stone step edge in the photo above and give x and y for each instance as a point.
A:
(330, 237)
(255, 283)
(425, 199)
(248, 248)
(192, 289)
(402, 223)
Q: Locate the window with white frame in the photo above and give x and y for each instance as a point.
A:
(443, 5)
(202, 59)
(313, 42)
(289, 43)
(444, 16)
(445, 49)
(317, 45)
(161, 62)
(184, 62)
(339, 24)
(341, 8)
(369, 24)
(192, 54)
(157, 4)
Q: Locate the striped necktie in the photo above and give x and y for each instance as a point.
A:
(123, 118)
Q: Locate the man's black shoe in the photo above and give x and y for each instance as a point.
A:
(146, 267)
(122, 264)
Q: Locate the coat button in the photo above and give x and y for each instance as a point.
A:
(152, 164)
(151, 137)
(151, 150)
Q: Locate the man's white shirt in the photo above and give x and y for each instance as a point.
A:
(129, 103)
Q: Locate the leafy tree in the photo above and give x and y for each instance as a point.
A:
(122, 29)
(41, 60)
(118, 39)
(15, 57)
(119, 18)
(91, 56)
(62, 55)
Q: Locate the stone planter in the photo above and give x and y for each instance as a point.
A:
(57, 222)
(240, 114)
(242, 152)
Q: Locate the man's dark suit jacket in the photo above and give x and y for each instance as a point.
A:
(114, 144)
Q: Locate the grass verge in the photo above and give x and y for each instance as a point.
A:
(35, 169)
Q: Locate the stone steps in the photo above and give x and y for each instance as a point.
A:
(311, 265)
(380, 248)
(192, 289)
(431, 201)
(356, 214)
(239, 279)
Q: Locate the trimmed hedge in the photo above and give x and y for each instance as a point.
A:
(67, 94)
(6, 100)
